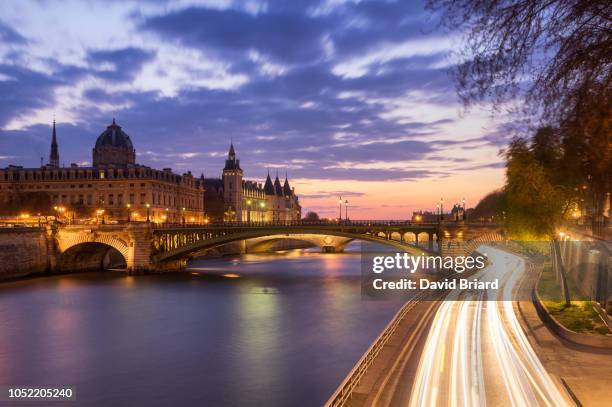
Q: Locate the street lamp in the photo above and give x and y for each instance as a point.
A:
(340, 205)
(60, 211)
(441, 208)
(464, 213)
(167, 218)
(148, 212)
(129, 211)
(183, 216)
(100, 214)
(249, 211)
(262, 205)
(438, 211)
(346, 211)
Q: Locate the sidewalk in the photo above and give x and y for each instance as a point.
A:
(586, 371)
(379, 386)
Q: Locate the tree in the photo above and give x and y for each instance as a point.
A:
(557, 56)
(26, 202)
(557, 53)
(311, 217)
(491, 207)
(533, 204)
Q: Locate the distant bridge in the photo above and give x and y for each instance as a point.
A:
(149, 247)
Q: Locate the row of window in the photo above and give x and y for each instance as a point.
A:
(55, 175)
(118, 200)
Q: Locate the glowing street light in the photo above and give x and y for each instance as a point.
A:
(148, 212)
(248, 210)
(129, 212)
(340, 205)
(183, 215)
(100, 214)
(346, 210)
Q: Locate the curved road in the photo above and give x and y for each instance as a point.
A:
(476, 353)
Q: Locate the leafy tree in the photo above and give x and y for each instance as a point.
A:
(491, 207)
(555, 55)
(533, 204)
(312, 217)
(26, 202)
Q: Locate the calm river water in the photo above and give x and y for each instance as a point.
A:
(256, 330)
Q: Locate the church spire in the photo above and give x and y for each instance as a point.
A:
(232, 163)
(54, 155)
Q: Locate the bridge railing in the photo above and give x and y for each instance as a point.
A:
(352, 380)
(175, 225)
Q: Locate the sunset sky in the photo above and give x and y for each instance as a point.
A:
(348, 97)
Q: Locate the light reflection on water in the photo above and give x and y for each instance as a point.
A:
(265, 330)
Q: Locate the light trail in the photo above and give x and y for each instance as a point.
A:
(453, 371)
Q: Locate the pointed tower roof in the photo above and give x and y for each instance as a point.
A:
(286, 187)
(268, 187)
(232, 163)
(54, 154)
(277, 186)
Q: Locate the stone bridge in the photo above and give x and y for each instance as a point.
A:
(154, 247)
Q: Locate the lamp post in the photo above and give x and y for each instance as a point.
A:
(248, 211)
(340, 208)
(167, 213)
(100, 214)
(148, 212)
(129, 212)
(464, 213)
(346, 211)
(438, 211)
(183, 216)
(262, 205)
(441, 208)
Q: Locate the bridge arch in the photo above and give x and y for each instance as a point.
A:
(282, 241)
(199, 246)
(86, 252)
(91, 256)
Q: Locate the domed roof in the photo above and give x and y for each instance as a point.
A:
(114, 136)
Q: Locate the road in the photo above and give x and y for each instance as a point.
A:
(476, 353)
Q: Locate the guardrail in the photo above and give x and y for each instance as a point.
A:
(375, 223)
(352, 380)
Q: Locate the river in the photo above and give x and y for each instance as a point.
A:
(278, 329)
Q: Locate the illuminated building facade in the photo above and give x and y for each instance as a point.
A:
(114, 188)
(231, 198)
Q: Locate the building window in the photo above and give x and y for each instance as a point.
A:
(131, 199)
(111, 199)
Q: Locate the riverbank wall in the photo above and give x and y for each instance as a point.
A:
(25, 251)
